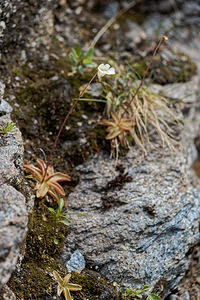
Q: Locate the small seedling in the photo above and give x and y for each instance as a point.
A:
(64, 286)
(82, 59)
(140, 294)
(10, 127)
(61, 214)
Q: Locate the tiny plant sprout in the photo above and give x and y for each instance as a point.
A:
(10, 127)
(105, 70)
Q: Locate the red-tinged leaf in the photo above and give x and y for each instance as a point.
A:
(58, 188)
(74, 287)
(126, 124)
(58, 278)
(107, 123)
(67, 294)
(113, 134)
(41, 165)
(58, 177)
(41, 190)
(116, 118)
(53, 194)
(59, 290)
(34, 170)
(49, 185)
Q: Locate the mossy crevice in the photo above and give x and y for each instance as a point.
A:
(44, 243)
(170, 68)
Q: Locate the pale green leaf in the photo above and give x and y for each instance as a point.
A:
(51, 210)
(89, 54)
(61, 204)
(152, 296)
(65, 222)
(79, 52)
(91, 64)
(146, 288)
(72, 57)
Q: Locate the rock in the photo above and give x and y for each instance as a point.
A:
(76, 262)
(178, 19)
(13, 222)
(134, 34)
(140, 231)
(191, 8)
(14, 26)
(110, 9)
(13, 214)
(11, 152)
(107, 9)
(7, 294)
(95, 89)
(5, 108)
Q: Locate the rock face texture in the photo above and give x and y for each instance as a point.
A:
(144, 211)
(13, 214)
(17, 17)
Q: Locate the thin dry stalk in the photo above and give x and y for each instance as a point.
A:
(144, 76)
(64, 122)
(151, 110)
(110, 22)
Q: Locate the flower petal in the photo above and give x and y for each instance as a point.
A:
(101, 66)
(112, 71)
(106, 67)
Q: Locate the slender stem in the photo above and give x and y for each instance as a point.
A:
(145, 73)
(110, 22)
(64, 122)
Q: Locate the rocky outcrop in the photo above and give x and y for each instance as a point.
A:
(17, 18)
(144, 210)
(13, 214)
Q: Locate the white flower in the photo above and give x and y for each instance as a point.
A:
(105, 70)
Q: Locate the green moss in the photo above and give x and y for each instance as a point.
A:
(136, 17)
(41, 255)
(44, 98)
(35, 280)
(93, 285)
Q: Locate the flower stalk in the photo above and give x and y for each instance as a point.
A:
(144, 76)
(64, 122)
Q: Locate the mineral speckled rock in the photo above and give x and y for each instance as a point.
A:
(13, 214)
(76, 262)
(11, 152)
(14, 27)
(13, 222)
(140, 232)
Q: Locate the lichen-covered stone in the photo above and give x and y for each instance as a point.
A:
(13, 214)
(139, 232)
(13, 222)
